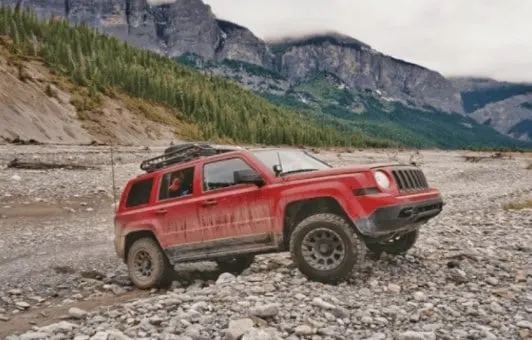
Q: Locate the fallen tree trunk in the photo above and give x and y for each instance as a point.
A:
(38, 165)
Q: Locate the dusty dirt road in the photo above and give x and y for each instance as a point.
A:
(470, 275)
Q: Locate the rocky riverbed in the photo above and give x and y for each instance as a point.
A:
(468, 277)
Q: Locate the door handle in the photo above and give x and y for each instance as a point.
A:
(209, 203)
(161, 212)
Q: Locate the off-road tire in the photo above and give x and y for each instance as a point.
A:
(161, 273)
(340, 232)
(396, 246)
(235, 265)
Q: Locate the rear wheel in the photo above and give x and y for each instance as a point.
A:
(235, 265)
(397, 245)
(148, 266)
(325, 248)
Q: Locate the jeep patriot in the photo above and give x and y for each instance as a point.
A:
(197, 202)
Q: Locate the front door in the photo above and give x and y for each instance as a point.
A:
(231, 214)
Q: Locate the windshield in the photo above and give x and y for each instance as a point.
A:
(292, 161)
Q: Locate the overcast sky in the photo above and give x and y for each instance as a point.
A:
(455, 37)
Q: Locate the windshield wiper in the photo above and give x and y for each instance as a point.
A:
(296, 171)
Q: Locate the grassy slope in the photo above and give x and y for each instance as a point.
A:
(220, 108)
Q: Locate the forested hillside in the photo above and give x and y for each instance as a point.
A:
(220, 108)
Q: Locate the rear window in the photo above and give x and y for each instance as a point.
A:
(177, 184)
(139, 193)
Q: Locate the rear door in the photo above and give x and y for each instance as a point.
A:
(231, 213)
(176, 206)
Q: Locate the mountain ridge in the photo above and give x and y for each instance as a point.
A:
(188, 31)
(189, 26)
(500, 104)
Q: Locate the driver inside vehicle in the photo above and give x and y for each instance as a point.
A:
(180, 185)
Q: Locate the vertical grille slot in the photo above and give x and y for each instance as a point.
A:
(415, 177)
(410, 179)
(398, 180)
(407, 183)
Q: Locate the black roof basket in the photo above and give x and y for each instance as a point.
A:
(180, 154)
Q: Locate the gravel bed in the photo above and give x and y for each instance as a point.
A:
(468, 277)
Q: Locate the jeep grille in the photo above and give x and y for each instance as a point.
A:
(410, 179)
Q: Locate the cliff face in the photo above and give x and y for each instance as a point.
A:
(187, 26)
(238, 43)
(361, 67)
(129, 20)
(43, 8)
(172, 29)
(507, 114)
(507, 107)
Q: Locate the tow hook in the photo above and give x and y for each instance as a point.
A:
(408, 212)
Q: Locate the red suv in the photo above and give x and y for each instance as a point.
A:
(201, 203)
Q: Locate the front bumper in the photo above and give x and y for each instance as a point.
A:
(398, 217)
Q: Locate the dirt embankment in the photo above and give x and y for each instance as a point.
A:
(37, 105)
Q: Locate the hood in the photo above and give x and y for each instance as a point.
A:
(339, 171)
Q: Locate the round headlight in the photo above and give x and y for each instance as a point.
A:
(381, 179)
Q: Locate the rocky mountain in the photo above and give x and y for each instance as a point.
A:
(505, 106)
(354, 63)
(363, 68)
(172, 29)
(364, 83)
(512, 116)
(190, 27)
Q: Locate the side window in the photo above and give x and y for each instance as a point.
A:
(177, 184)
(139, 193)
(217, 175)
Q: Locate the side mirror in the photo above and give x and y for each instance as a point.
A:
(248, 176)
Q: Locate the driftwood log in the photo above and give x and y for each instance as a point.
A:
(497, 155)
(38, 165)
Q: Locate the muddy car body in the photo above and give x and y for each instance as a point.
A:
(240, 203)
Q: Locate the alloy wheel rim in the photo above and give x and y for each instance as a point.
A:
(323, 249)
(143, 265)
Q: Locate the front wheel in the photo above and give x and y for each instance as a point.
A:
(235, 265)
(148, 266)
(395, 246)
(325, 248)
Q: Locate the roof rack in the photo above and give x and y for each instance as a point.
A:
(180, 154)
